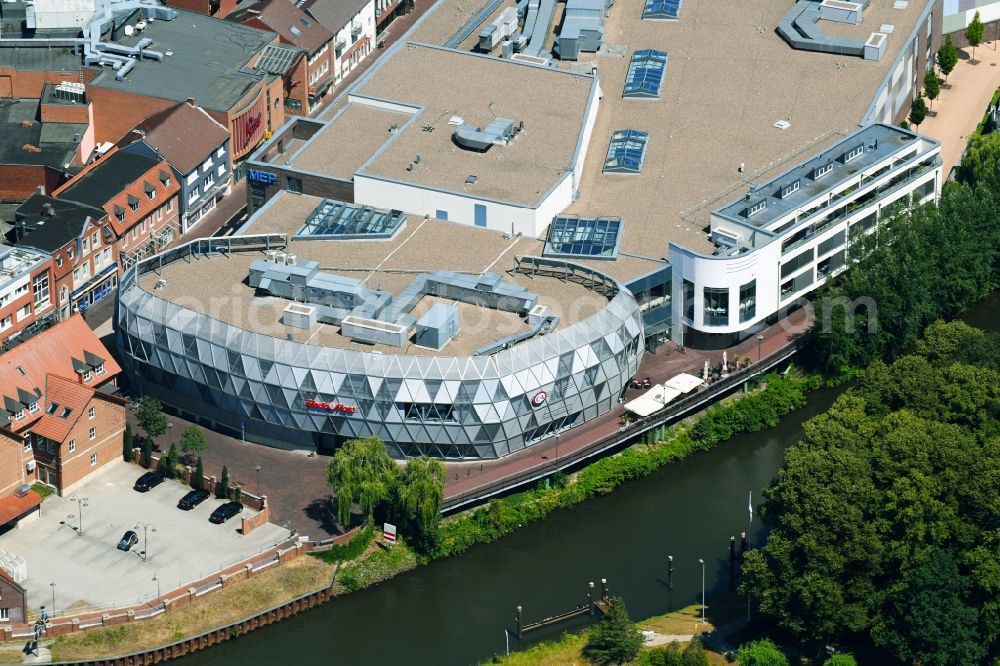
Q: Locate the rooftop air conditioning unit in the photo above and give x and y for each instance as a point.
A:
(291, 259)
(270, 254)
(30, 466)
(279, 257)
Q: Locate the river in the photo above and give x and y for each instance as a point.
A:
(454, 611)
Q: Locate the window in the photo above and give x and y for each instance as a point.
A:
(822, 170)
(135, 232)
(92, 433)
(86, 375)
(40, 288)
(221, 170)
(91, 412)
(72, 445)
(716, 306)
(33, 407)
(95, 241)
(86, 244)
(27, 444)
(120, 215)
(5, 323)
(626, 151)
(423, 411)
(756, 207)
(748, 301)
(93, 459)
(209, 180)
(220, 152)
(66, 412)
(59, 261)
(70, 252)
(796, 262)
(663, 10)
(5, 614)
(151, 194)
(294, 184)
(99, 369)
(688, 295)
(21, 371)
(51, 409)
(170, 205)
(134, 205)
(645, 74)
(853, 153)
(19, 415)
(584, 237)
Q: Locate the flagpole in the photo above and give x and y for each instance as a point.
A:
(749, 537)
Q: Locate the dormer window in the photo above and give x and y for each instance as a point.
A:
(119, 213)
(99, 369)
(52, 408)
(33, 408)
(133, 203)
(150, 190)
(18, 415)
(86, 375)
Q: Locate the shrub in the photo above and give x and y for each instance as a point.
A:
(760, 653)
(351, 550)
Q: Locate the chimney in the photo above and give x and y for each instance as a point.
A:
(190, 101)
(40, 189)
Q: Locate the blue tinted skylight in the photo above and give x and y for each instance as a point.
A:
(645, 74)
(663, 10)
(626, 152)
(588, 238)
(336, 220)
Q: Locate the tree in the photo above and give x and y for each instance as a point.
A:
(615, 640)
(222, 490)
(147, 453)
(929, 619)
(150, 417)
(841, 659)
(168, 463)
(947, 57)
(761, 653)
(694, 654)
(128, 444)
(361, 471)
(417, 501)
(193, 440)
(666, 655)
(974, 34)
(918, 111)
(932, 86)
(198, 478)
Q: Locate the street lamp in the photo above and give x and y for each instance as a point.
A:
(53, 586)
(80, 503)
(702, 563)
(258, 480)
(557, 447)
(760, 339)
(243, 433)
(156, 579)
(146, 529)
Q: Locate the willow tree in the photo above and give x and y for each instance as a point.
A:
(361, 472)
(417, 502)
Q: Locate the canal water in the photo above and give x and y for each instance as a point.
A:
(455, 611)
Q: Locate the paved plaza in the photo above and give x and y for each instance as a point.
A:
(89, 572)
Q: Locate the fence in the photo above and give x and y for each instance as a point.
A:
(625, 434)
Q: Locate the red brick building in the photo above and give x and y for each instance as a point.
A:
(58, 409)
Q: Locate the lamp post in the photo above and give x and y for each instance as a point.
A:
(80, 503)
(760, 339)
(243, 433)
(146, 529)
(53, 586)
(156, 579)
(258, 480)
(557, 447)
(702, 563)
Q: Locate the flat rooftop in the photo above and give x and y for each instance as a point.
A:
(729, 78)
(446, 84)
(208, 61)
(421, 246)
(25, 140)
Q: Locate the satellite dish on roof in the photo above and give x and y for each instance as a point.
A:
(129, 31)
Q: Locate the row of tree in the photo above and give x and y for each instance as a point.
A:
(362, 473)
(885, 520)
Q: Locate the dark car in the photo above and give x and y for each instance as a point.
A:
(192, 499)
(148, 481)
(225, 512)
(129, 539)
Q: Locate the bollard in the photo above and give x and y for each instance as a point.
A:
(670, 572)
(517, 618)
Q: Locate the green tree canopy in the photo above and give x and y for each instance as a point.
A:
(694, 654)
(198, 476)
(417, 501)
(128, 444)
(974, 34)
(918, 111)
(841, 659)
(947, 56)
(361, 471)
(150, 417)
(932, 86)
(222, 489)
(193, 440)
(884, 520)
(760, 653)
(614, 640)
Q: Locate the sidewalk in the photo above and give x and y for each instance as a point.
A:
(961, 106)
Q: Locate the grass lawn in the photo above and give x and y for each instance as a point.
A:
(11, 656)
(270, 588)
(567, 650)
(42, 489)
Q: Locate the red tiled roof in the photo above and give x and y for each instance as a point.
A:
(184, 135)
(53, 352)
(12, 506)
(65, 394)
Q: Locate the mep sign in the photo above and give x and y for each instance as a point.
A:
(262, 177)
(389, 533)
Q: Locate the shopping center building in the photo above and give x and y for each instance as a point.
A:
(469, 253)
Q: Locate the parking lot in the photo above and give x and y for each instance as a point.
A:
(90, 572)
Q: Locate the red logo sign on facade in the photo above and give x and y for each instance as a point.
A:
(539, 398)
(252, 125)
(331, 406)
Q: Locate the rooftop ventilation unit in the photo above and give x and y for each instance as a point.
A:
(498, 133)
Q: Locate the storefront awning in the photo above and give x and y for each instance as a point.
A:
(684, 382)
(652, 400)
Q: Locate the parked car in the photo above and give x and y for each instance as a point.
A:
(225, 512)
(192, 499)
(148, 481)
(128, 540)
